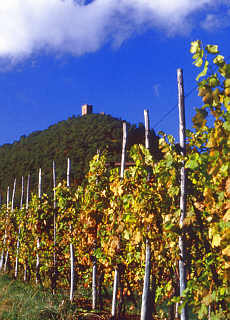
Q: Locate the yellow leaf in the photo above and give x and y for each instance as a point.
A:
(114, 243)
(207, 191)
(207, 299)
(189, 221)
(149, 218)
(216, 240)
(227, 265)
(228, 186)
(138, 237)
(211, 143)
(126, 235)
(121, 227)
(227, 277)
(226, 217)
(120, 190)
(210, 232)
(199, 205)
(226, 251)
(110, 211)
(221, 98)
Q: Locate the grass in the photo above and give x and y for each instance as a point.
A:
(19, 300)
(22, 301)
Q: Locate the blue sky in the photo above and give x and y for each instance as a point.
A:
(121, 56)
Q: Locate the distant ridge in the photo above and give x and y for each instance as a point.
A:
(77, 138)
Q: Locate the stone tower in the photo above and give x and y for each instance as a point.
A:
(86, 109)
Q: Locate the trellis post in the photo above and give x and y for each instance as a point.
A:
(38, 240)
(72, 258)
(146, 287)
(182, 137)
(26, 267)
(54, 275)
(19, 231)
(116, 272)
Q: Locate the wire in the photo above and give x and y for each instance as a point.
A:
(165, 116)
(175, 106)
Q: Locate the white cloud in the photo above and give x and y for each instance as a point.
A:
(214, 22)
(81, 26)
(156, 89)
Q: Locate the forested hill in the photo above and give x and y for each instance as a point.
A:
(77, 138)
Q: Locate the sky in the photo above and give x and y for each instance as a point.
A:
(121, 56)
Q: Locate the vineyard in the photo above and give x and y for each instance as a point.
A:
(118, 225)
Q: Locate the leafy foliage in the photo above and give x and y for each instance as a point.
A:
(78, 138)
(112, 217)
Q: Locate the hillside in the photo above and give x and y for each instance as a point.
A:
(77, 138)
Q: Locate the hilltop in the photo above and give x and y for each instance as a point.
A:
(78, 138)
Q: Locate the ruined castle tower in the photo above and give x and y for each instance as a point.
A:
(86, 109)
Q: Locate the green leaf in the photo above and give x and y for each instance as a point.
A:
(199, 118)
(207, 300)
(192, 164)
(219, 60)
(227, 103)
(213, 49)
(204, 72)
(226, 125)
(225, 70)
(171, 139)
(227, 83)
(203, 311)
(194, 161)
(98, 253)
(224, 170)
(213, 81)
(198, 63)
(221, 194)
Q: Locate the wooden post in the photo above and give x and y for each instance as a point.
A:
(123, 155)
(6, 260)
(26, 268)
(40, 184)
(13, 196)
(72, 258)
(19, 231)
(12, 209)
(22, 193)
(27, 192)
(38, 279)
(182, 136)
(54, 276)
(7, 198)
(54, 183)
(68, 172)
(116, 272)
(146, 287)
(94, 283)
(94, 261)
(4, 240)
(115, 289)
(147, 128)
(72, 272)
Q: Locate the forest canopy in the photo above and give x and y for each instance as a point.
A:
(78, 138)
